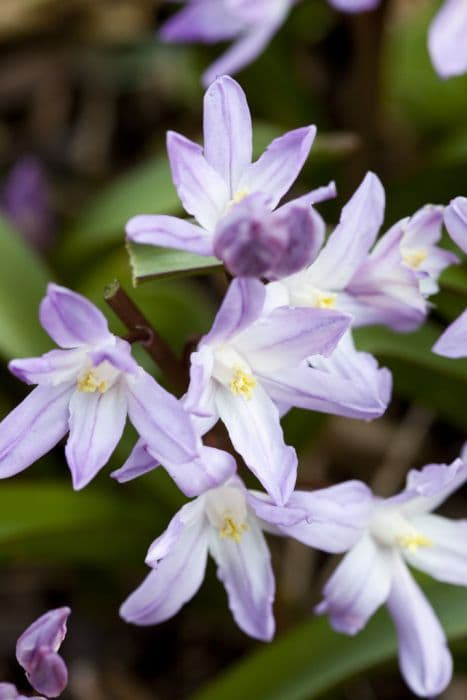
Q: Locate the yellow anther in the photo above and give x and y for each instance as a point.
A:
(413, 540)
(242, 384)
(414, 257)
(90, 383)
(324, 300)
(232, 530)
(239, 196)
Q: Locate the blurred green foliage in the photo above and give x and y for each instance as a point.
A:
(313, 659)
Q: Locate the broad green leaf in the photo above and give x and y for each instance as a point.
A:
(23, 280)
(43, 507)
(147, 189)
(48, 519)
(149, 263)
(313, 659)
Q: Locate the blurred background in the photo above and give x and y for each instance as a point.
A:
(87, 93)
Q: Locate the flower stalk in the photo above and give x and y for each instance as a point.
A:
(140, 330)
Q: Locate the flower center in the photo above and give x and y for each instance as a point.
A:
(99, 378)
(242, 383)
(413, 540)
(324, 300)
(302, 292)
(227, 512)
(239, 196)
(414, 257)
(90, 382)
(231, 529)
(392, 529)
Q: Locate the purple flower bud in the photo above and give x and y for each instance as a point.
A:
(26, 202)
(254, 242)
(36, 652)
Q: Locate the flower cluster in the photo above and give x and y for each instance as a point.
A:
(252, 25)
(282, 338)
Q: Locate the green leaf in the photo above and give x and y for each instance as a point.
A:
(48, 519)
(313, 659)
(147, 189)
(23, 279)
(45, 507)
(149, 263)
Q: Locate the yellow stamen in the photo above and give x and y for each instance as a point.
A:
(414, 257)
(325, 300)
(413, 540)
(89, 383)
(239, 196)
(232, 530)
(242, 384)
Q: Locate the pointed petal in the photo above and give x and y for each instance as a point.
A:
(285, 337)
(53, 368)
(202, 191)
(335, 517)
(190, 516)
(96, 426)
(255, 430)
(358, 587)
(424, 228)
(400, 306)
(348, 245)
(211, 468)
(244, 51)
(278, 168)
(35, 426)
(455, 219)
(358, 368)
(318, 390)
(138, 463)
(161, 421)
(245, 570)
(453, 342)
(199, 399)
(70, 319)
(176, 577)
(426, 489)
(36, 652)
(446, 557)
(424, 658)
(228, 138)
(383, 289)
(169, 232)
(208, 21)
(355, 5)
(320, 194)
(446, 39)
(241, 306)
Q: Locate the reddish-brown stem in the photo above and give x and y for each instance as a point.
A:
(140, 330)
